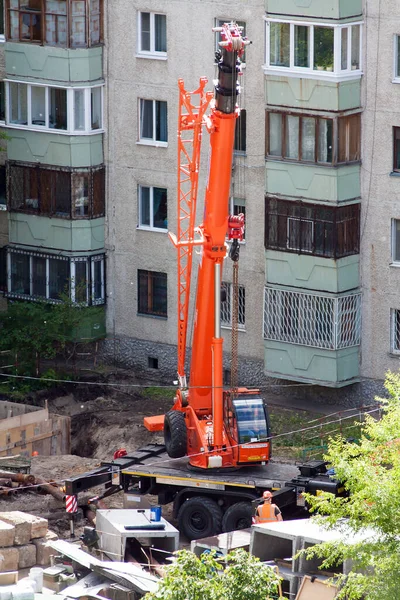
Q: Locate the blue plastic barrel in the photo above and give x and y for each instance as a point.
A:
(155, 513)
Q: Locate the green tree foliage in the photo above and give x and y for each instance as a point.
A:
(238, 576)
(34, 330)
(370, 515)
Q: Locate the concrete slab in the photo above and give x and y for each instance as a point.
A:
(8, 559)
(7, 534)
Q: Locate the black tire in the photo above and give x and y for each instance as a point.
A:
(237, 516)
(175, 434)
(199, 518)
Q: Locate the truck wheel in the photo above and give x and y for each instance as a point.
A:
(175, 435)
(199, 517)
(237, 516)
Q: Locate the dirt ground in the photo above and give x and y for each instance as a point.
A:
(104, 418)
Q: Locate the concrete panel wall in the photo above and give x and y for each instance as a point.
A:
(324, 9)
(84, 235)
(190, 56)
(312, 272)
(328, 367)
(312, 182)
(55, 149)
(46, 64)
(310, 94)
(380, 191)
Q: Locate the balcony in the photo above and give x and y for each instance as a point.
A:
(315, 9)
(312, 338)
(62, 23)
(50, 63)
(312, 182)
(56, 233)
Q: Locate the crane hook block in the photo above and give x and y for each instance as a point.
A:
(236, 227)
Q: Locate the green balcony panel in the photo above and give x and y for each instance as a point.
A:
(42, 64)
(312, 182)
(331, 368)
(55, 149)
(57, 234)
(312, 94)
(312, 272)
(92, 326)
(317, 9)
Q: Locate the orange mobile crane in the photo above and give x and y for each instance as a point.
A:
(215, 427)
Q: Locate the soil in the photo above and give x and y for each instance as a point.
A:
(104, 418)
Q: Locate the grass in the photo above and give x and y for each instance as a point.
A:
(301, 434)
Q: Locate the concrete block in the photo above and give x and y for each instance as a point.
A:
(22, 526)
(26, 556)
(44, 552)
(26, 526)
(8, 559)
(7, 534)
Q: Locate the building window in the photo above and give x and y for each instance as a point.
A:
(64, 23)
(1, 20)
(396, 52)
(396, 240)
(237, 207)
(240, 132)
(227, 306)
(330, 232)
(55, 109)
(307, 138)
(66, 193)
(218, 37)
(153, 208)
(3, 188)
(152, 293)
(2, 101)
(395, 331)
(36, 276)
(396, 149)
(3, 269)
(152, 34)
(153, 121)
(311, 320)
(318, 49)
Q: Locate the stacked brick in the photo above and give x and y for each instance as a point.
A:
(23, 539)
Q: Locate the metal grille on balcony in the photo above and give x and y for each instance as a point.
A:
(226, 306)
(309, 320)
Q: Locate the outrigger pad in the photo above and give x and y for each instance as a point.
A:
(154, 423)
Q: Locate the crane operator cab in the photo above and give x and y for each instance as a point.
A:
(247, 425)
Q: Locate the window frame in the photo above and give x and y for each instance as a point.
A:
(70, 108)
(151, 277)
(71, 260)
(152, 53)
(337, 72)
(150, 227)
(338, 224)
(69, 15)
(337, 148)
(394, 334)
(153, 140)
(396, 140)
(240, 134)
(395, 261)
(396, 61)
(47, 203)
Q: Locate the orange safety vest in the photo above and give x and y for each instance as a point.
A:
(266, 513)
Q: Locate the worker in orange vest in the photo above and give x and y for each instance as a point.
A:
(268, 512)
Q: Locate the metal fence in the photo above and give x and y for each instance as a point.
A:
(310, 320)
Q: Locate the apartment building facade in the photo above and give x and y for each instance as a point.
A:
(53, 86)
(92, 170)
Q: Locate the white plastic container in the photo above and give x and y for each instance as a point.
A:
(36, 573)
